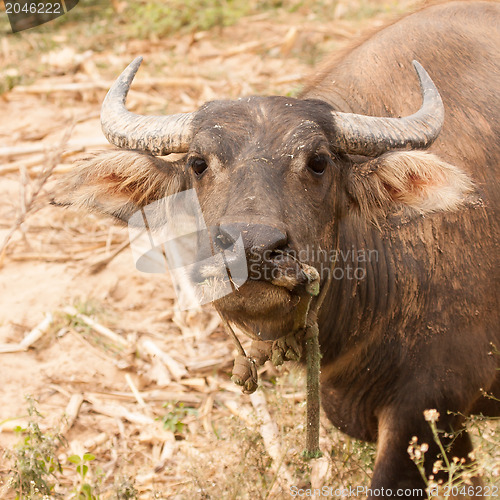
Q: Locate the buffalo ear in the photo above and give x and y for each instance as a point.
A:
(119, 182)
(417, 181)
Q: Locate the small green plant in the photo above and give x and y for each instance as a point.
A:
(125, 490)
(35, 462)
(84, 490)
(35, 469)
(8, 80)
(89, 307)
(173, 420)
(164, 19)
(354, 456)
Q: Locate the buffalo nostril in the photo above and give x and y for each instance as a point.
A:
(223, 241)
(265, 242)
(274, 245)
(226, 236)
(276, 254)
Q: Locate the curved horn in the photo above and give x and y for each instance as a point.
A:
(159, 135)
(372, 136)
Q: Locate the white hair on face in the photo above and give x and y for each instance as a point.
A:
(213, 271)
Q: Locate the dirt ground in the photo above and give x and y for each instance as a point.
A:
(113, 387)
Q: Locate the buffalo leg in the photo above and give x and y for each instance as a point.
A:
(394, 468)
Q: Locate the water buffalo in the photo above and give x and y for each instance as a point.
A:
(365, 160)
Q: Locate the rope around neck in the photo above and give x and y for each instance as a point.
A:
(305, 333)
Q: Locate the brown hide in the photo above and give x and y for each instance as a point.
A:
(422, 331)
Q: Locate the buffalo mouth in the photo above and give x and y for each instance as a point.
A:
(279, 269)
(264, 305)
(282, 270)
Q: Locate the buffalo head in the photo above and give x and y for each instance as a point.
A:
(279, 172)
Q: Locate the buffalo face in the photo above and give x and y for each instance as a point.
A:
(263, 170)
(274, 177)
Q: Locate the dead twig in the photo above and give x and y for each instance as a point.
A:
(9, 348)
(167, 451)
(144, 84)
(92, 443)
(100, 264)
(61, 150)
(155, 395)
(241, 411)
(135, 391)
(253, 46)
(46, 257)
(270, 434)
(97, 327)
(175, 368)
(38, 332)
(33, 167)
(28, 203)
(71, 412)
(118, 411)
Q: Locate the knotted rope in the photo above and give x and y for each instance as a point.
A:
(289, 348)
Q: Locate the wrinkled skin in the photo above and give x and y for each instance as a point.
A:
(418, 326)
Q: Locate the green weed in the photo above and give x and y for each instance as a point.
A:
(84, 490)
(35, 462)
(35, 472)
(125, 490)
(173, 420)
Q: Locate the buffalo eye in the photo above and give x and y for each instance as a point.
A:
(199, 165)
(317, 164)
